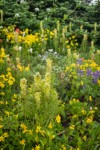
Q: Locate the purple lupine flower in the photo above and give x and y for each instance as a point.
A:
(89, 72)
(96, 74)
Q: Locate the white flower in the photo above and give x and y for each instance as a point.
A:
(30, 50)
(37, 9)
(19, 48)
(55, 53)
(22, 1)
(90, 108)
(48, 9)
(17, 15)
(50, 50)
(44, 58)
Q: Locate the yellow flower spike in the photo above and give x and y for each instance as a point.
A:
(37, 96)
(58, 119)
(22, 142)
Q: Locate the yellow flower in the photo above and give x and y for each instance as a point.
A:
(63, 147)
(37, 147)
(30, 132)
(58, 119)
(84, 137)
(83, 111)
(1, 102)
(13, 100)
(50, 125)
(27, 68)
(90, 98)
(1, 126)
(89, 120)
(5, 135)
(23, 126)
(73, 37)
(24, 130)
(2, 93)
(99, 82)
(16, 116)
(52, 137)
(71, 127)
(8, 69)
(22, 142)
(75, 116)
(78, 148)
(15, 95)
(7, 113)
(1, 138)
(38, 129)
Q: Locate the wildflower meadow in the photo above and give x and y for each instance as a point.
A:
(49, 87)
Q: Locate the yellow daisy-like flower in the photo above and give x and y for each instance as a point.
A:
(25, 130)
(22, 142)
(38, 129)
(58, 119)
(30, 132)
(37, 147)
